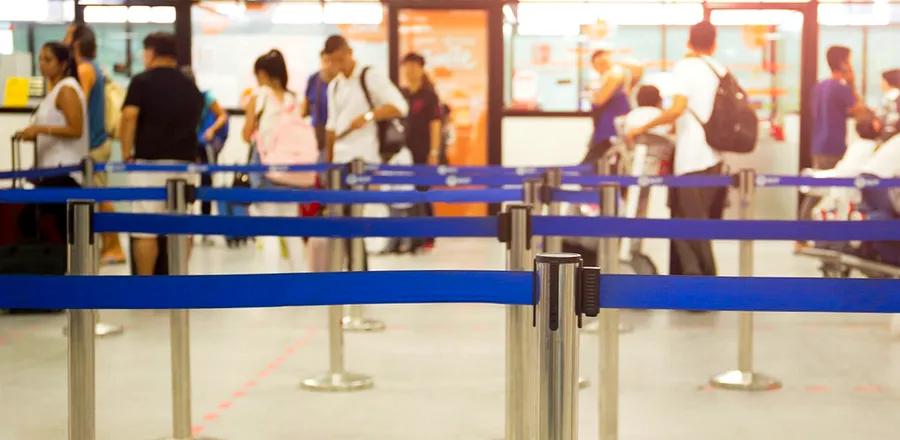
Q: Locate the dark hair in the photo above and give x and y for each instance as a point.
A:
(273, 64)
(413, 57)
(416, 58)
(334, 43)
(837, 56)
(84, 39)
(598, 53)
(648, 96)
(64, 55)
(702, 36)
(161, 43)
(892, 77)
(865, 127)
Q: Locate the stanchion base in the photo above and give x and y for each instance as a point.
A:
(101, 329)
(337, 382)
(352, 324)
(744, 381)
(594, 326)
(583, 383)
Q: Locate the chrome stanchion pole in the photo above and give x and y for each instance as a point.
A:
(556, 319)
(336, 378)
(744, 378)
(179, 319)
(553, 244)
(516, 232)
(101, 329)
(81, 324)
(604, 168)
(354, 319)
(608, 329)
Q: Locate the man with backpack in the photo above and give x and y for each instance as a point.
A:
(364, 109)
(711, 114)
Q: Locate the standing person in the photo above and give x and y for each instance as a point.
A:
(695, 81)
(59, 126)
(423, 123)
(607, 103)
(834, 99)
(352, 129)
(263, 112)
(80, 37)
(211, 135)
(889, 110)
(316, 103)
(159, 125)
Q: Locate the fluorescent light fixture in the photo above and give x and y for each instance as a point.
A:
(131, 14)
(740, 17)
(546, 17)
(163, 14)
(68, 9)
(106, 14)
(24, 10)
(843, 14)
(353, 13)
(297, 13)
(6, 41)
(230, 10)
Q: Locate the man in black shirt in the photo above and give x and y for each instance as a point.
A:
(158, 125)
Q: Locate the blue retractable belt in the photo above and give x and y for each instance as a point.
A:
(269, 290)
(298, 227)
(717, 229)
(40, 172)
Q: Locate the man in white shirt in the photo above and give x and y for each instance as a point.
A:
(695, 81)
(352, 129)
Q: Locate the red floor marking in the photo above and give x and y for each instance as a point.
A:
(197, 430)
(868, 389)
(225, 405)
(817, 389)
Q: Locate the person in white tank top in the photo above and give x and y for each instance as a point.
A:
(59, 125)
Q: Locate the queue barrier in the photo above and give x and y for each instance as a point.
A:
(248, 195)
(560, 226)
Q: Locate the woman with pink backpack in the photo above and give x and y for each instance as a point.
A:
(276, 129)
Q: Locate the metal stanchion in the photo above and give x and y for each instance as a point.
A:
(179, 319)
(604, 168)
(101, 329)
(516, 232)
(556, 317)
(81, 323)
(354, 320)
(553, 244)
(744, 378)
(608, 329)
(336, 378)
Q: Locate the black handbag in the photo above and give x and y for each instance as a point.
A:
(392, 132)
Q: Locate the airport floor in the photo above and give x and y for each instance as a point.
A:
(439, 369)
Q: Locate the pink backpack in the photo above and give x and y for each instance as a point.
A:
(291, 142)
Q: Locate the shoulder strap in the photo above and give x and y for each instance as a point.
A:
(365, 88)
(713, 69)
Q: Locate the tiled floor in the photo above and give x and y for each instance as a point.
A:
(439, 369)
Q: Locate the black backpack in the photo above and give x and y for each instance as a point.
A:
(391, 133)
(732, 125)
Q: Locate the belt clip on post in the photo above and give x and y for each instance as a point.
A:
(354, 319)
(101, 329)
(336, 378)
(514, 229)
(82, 417)
(744, 378)
(179, 196)
(563, 291)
